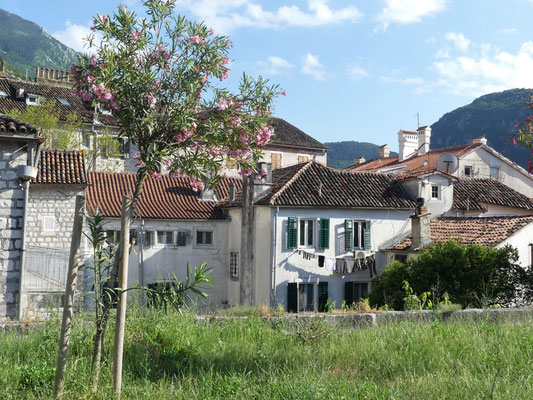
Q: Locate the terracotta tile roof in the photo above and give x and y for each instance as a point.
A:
(314, 184)
(288, 135)
(472, 194)
(14, 125)
(166, 198)
(413, 163)
(61, 167)
(48, 92)
(487, 231)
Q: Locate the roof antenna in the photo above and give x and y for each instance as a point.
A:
(418, 120)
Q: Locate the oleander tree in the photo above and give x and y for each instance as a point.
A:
(161, 76)
(524, 135)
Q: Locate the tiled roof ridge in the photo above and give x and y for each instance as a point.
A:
(290, 181)
(492, 217)
(9, 118)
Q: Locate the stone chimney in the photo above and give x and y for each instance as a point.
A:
(424, 139)
(359, 161)
(384, 151)
(407, 144)
(2, 69)
(54, 76)
(262, 183)
(482, 140)
(420, 225)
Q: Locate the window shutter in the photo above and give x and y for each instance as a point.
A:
(322, 296)
(368, 236)
(323, 236)
(348, 293)
(348, 234)
(292, 233)
(292, 297)
(150, 238)
(182, 238)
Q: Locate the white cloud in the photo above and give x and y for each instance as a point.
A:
(431, 40)
(408, 11)
(356, 72)
(275, 65)
(403, 81)
(459, 40)
(74, 36)
(311, 66)
(228, 15)
(508, 31)
(490, 71)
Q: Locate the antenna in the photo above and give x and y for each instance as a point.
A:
(418, 120)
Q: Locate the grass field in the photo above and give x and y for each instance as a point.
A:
(174, 357)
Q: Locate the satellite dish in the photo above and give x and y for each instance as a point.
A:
(448, 162)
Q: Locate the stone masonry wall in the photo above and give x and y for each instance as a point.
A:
(56, 202)
(12, 154)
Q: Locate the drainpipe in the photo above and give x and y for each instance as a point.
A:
(141, 248)
(274, 259)
(26, 175)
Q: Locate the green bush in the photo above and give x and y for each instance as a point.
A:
(475, 276)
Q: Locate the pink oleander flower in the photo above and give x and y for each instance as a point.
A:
(92, 61)
(263, 172)
(248, 171)
(223, 104)
(195, 39)
(225, 60)
(284, 93)
(196, 185)
(156, 175)
(514, 140)
(142, 164)
(224, 75)
(137, 154)
(263, 135)
(90, 79)
(168, 163)
(151, 99)
(204, 79)
(136, 35)
(211, 31)
(104, 17)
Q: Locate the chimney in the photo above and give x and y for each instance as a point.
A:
(359, 160)
(384, 151)
(407, 144)
(482, 140)
(420, 225)
(53, 76)
(2, 68)
(232, 192)
(262, 183)
(424, 139)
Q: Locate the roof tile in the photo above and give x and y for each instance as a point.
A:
(61, 167)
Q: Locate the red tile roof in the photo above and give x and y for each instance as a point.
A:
(48, 91)
(312, 184)
(414, 163)
(14, 125)
(472, 194)
(61, 167)
(166, 198)
(489, 231)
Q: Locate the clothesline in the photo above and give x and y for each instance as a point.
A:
(343, 265)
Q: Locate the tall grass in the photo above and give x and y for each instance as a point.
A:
(175, 357)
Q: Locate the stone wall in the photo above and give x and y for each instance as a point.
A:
(55, 203)
(12, 154)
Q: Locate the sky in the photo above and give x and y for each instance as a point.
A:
(352, 69)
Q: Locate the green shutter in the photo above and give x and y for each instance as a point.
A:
(368, 236)
(348, 234)
(348, 293)
(323, 235)
(292, 297)
(322, 296)
(292, 233)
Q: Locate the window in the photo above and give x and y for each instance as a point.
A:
(468, 170)
(292, 233)
(435, 192)
(165, 237)
(234, 265)
(149, 238)
(181, 240)
(361, 235)
(323, 233)
(204, 238)
(63, 101)
(495, 172)
(307, 233)
(112, 236)
(301, 297)
(354, 291)
(276, 159)
(400, 257)
(3, 93)
(33, 100)
(124, 146)
(49, 223)
(302, 159)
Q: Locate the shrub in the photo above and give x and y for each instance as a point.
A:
(476, 276)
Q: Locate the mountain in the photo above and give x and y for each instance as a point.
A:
(342, 154)
(25, 45)
(494, 116)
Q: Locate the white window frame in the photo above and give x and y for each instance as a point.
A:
(37, 101)
(359, 234)
(439, 191)
(48, 220)
(305, 233)
(212, 244)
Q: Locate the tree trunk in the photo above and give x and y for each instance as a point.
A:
(112, 284)
(122, 295)
(68, 305)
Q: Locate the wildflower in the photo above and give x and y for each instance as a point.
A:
(284, 93)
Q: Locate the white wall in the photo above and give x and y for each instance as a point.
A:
(522, 240)
(292, 267)
(492, 211)
(422, 188)
(510, 174)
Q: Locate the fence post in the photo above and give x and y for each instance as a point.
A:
(122, 294)
(68, 305)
